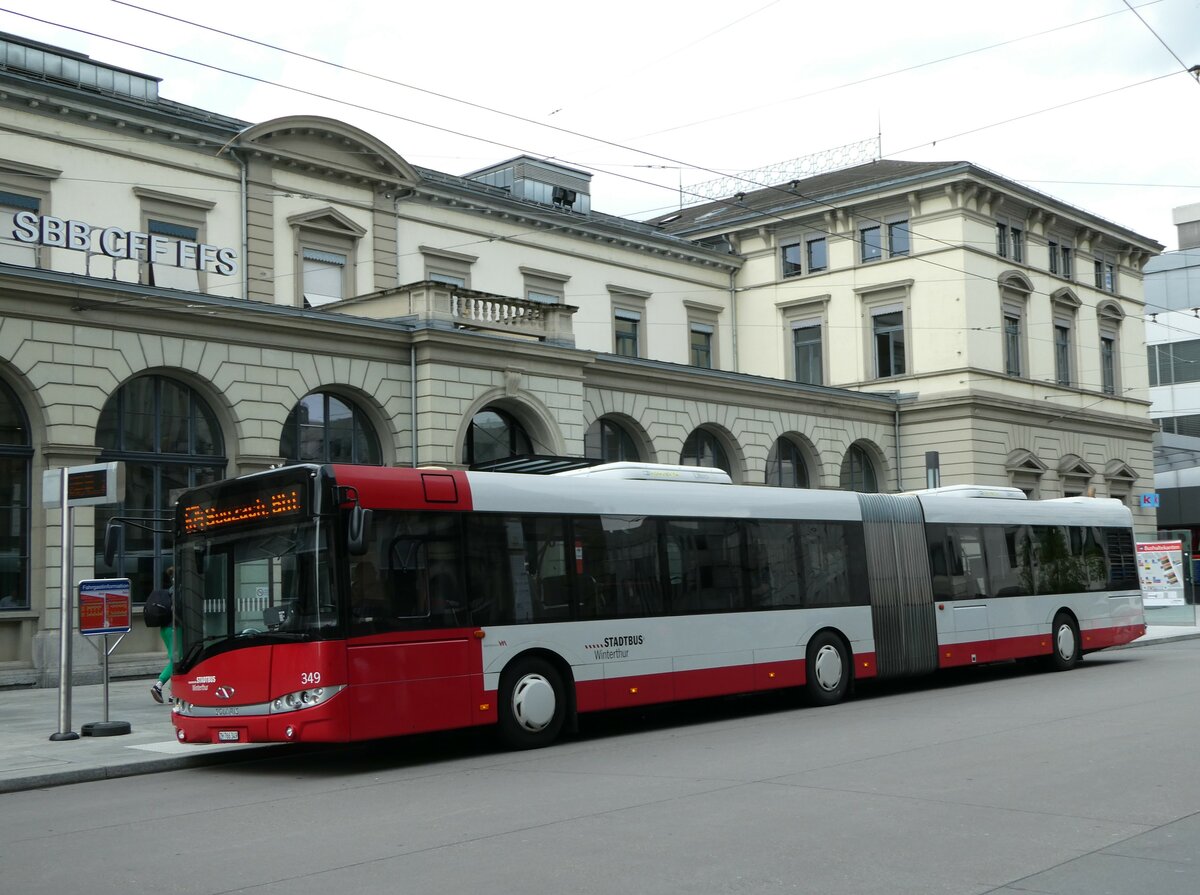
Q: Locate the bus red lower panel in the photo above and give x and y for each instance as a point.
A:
(411, 687)
(1115, 636)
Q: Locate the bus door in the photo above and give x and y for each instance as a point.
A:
(968, 592)
(902, 610)
(412, 663)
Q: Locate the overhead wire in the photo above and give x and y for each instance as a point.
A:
(765, 214)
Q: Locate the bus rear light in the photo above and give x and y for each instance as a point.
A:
(485, 706)
(480, 634)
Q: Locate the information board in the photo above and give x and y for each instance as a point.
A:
(1160, 572)
(104, 606)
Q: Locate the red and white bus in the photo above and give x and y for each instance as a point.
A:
(339, 603)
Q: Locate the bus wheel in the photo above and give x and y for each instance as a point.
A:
(533, 704)
(827, 672)
(1064, 637)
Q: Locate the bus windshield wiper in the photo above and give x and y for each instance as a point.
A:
(196, 648)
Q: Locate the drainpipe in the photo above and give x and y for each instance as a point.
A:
(242, 187)
(412, 388)
(733, 311)
(245, 224)
(896, 424)
(412, 343)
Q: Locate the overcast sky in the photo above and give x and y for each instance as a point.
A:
(1086, 100)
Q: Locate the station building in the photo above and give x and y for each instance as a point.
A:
(201, 297)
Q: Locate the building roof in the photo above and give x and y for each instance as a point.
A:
(823, 192)
(816, 191)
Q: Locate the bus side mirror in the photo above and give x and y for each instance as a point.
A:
(112, 541)
(358, 531)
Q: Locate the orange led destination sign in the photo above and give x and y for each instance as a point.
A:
(206, 517)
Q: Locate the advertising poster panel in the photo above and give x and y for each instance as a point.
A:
(1160, 570)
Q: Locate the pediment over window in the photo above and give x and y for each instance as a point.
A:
(328, 220)
(1014, 279)
(1118, 470)
(1110, 310)
(1024, 461)
(328, 147)
(1065, 296)
(1072, 465)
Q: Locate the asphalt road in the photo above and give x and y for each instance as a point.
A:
(987, 780)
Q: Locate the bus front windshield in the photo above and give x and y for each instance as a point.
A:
(272, 585)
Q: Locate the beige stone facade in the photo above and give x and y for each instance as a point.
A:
(420, 300)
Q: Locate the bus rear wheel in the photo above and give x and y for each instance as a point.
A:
(1064, 643)
(533, 704)
(827, 670)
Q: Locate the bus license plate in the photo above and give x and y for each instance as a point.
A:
(228, 736)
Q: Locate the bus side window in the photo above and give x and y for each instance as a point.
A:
(939, 565)
(968, 571)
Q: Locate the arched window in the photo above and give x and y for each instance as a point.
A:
(16, 455)
(494, 434)
(858, 472)
(169, 440)
(703, 449)
(608, 441)
(785, 466)
(323, 428)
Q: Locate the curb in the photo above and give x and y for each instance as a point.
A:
(1170, 638)
(136, 768)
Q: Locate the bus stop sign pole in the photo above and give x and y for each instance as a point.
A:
(100, 483)
(66, 616)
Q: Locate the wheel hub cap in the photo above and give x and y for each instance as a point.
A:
(533, 702)
(828, 668)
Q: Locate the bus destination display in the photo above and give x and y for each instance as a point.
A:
(250, 508)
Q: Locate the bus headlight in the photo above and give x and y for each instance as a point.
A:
(303, 699)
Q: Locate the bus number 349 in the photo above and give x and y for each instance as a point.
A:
(308, 678)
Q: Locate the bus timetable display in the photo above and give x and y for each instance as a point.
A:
(244, 509)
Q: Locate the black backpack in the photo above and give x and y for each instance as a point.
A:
(158, 612)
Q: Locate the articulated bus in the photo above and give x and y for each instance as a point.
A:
(341, 603)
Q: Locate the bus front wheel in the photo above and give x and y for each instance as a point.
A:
(1064, 646)
(827, 670)
(533, 704)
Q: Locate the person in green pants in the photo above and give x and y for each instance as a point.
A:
(165, 597)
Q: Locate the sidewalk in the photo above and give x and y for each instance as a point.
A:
(29, 760)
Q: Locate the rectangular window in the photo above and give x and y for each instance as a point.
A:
(544, 298)
(447, 279)
(1002, 240)
(701, 345)
(1106, 275)
(1066, 253)
(1018, 245)
(1012, 344)
(818, 258)
(1108, 365)
(899, 239)
(792, 264)
(625, 333)
(888, 329)
(11, 250)
(871, 242)
(1053, 256)
(806, 353)
(324, 277)
(1062, 354)
(162, 269)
